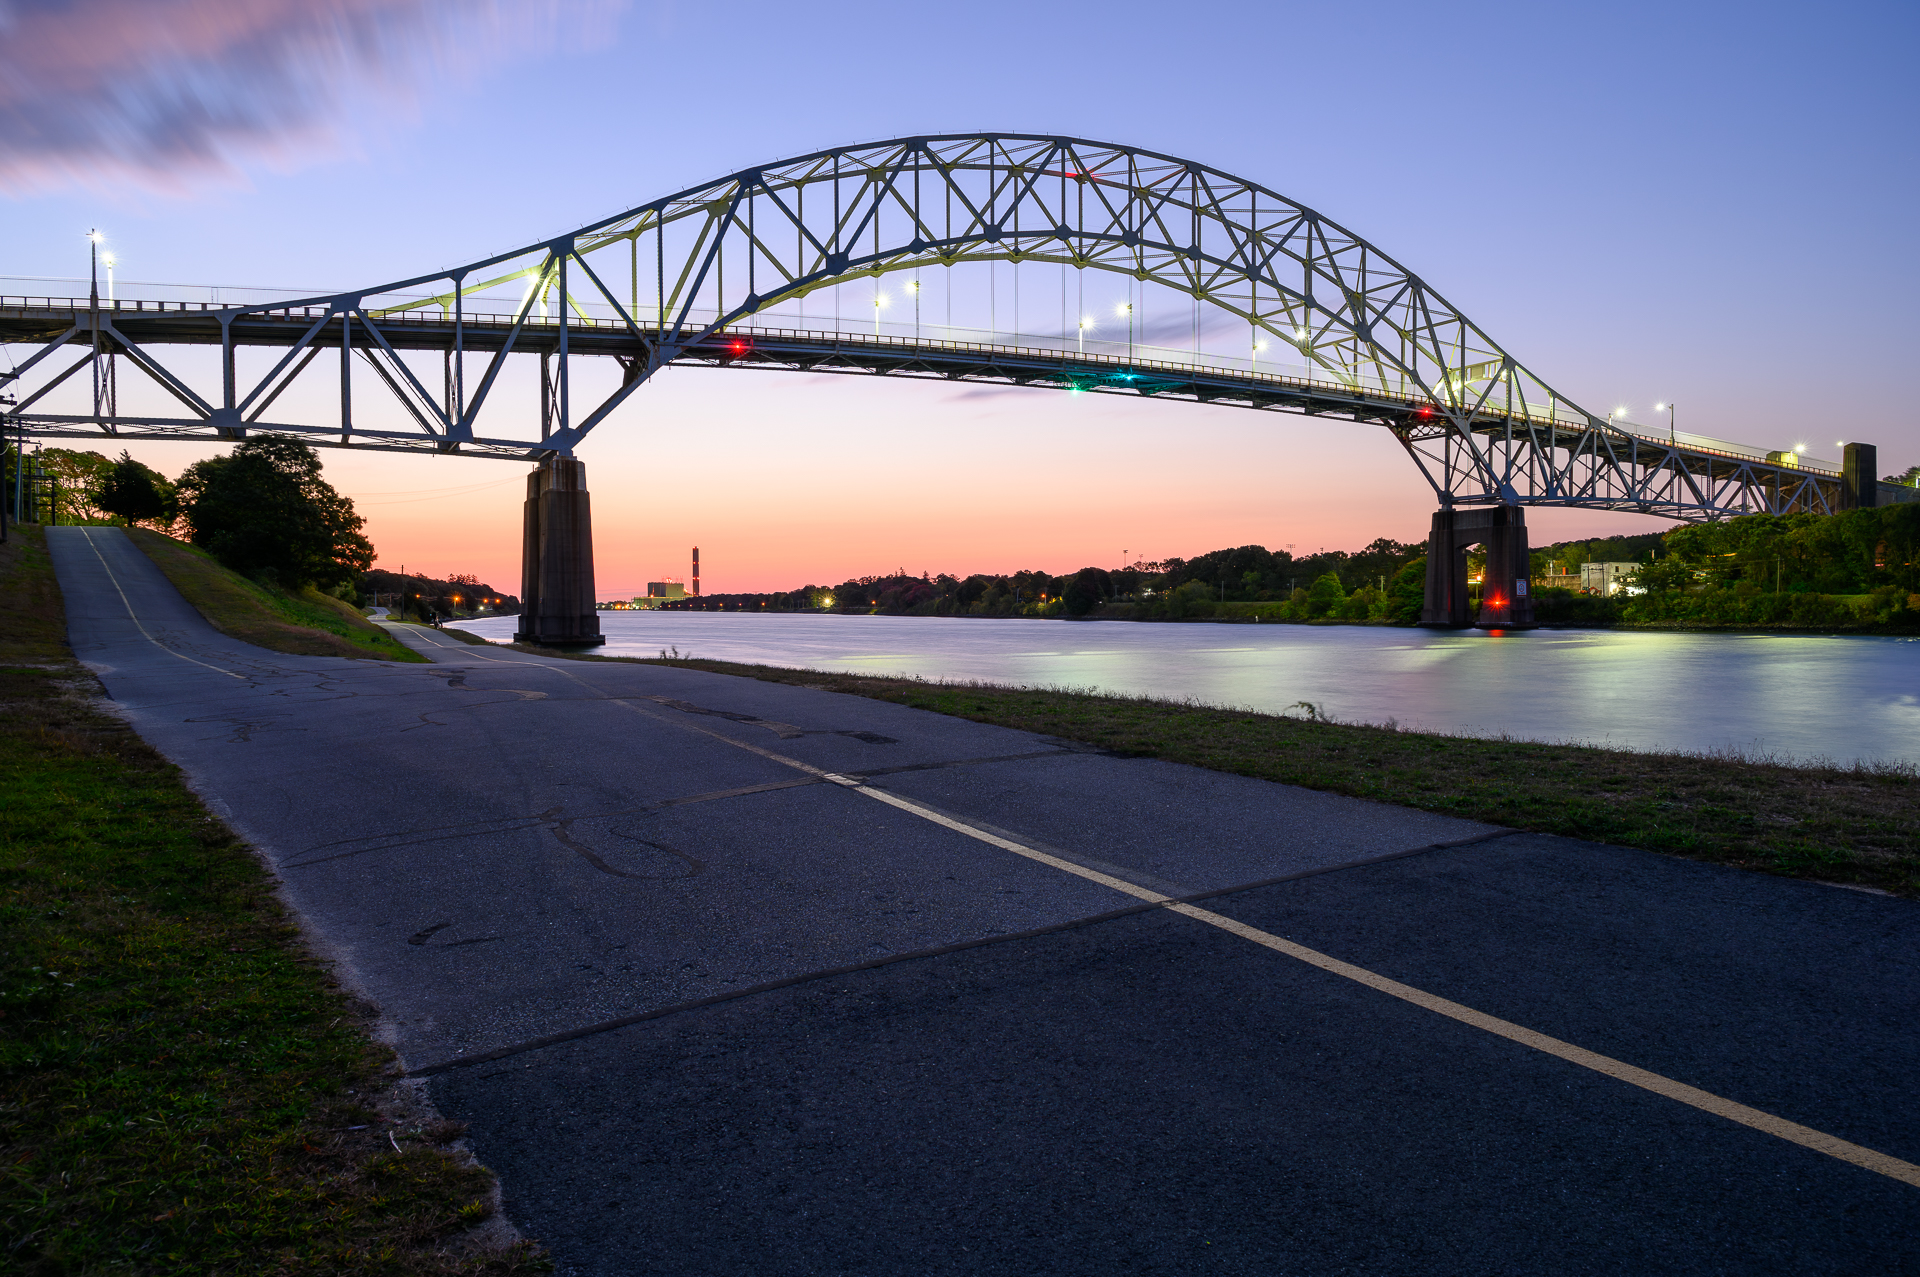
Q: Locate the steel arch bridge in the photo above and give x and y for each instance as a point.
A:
(711, 276)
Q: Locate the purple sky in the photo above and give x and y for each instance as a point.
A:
(1709, 203)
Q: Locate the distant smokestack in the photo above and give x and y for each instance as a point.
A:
(696, 571)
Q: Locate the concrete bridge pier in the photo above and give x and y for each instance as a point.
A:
(1505, 601)
(556, 559)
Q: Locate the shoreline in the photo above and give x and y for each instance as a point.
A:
(1644, 627)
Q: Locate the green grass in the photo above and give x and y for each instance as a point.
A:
(465, 636)
(308, 623)
(1855, 825)
(180, 1084)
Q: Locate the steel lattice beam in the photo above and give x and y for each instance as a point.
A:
(681, 280)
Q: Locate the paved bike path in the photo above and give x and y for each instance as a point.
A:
(503, 850)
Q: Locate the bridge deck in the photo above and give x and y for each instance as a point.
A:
(39, 320)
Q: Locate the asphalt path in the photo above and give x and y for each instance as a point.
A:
(736, 977)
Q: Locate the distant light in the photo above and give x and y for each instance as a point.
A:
(1086, 321)
(913, 285)
(1259, 345)
(879, 299)
(1659, 407)
(1799, 447)
(1299, 334)
(107, 258)
(1124, 308)
(96, 237)
(1619, 412)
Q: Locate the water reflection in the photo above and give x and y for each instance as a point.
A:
(1808, 696)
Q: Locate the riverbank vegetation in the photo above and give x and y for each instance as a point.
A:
(185, 1088)
(1858, 825)
(413, 597)
(262, 510)
(1854, 571)
(304, 622)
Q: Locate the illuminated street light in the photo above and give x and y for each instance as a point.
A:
(1668, 409)
(1086, 322)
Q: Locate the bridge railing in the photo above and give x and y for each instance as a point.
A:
(1105, 353)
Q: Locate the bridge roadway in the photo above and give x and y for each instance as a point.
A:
(636, 928)
(1419, 421)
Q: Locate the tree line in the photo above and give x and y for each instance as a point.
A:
(262, 510)
(1810, 571)
(1813, 571)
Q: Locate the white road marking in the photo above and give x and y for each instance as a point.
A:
(87, 533)
(1706, 1101)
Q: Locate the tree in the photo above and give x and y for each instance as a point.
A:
(136, 494)
(264, 510)
(1086, 591)
(1325, 594)
(77, 476)
(1408, 591)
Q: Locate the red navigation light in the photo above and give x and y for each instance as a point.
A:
(739, 347)
(1426, 412)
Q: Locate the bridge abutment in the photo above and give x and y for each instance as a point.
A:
(1505, 600)
(556, 559)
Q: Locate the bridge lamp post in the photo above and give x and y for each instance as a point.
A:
(1086, 322)
(94, 240)
(879, 304)
(1126, 308)
(1668, 409)
(913, 290)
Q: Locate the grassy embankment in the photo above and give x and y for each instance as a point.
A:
(305, 624)
(185, 1090)
(1854, 825)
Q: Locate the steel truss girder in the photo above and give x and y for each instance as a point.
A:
(1384, 347)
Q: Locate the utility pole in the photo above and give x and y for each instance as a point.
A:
(7, 401)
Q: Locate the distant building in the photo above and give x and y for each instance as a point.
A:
(659, 592)
(1606, 578)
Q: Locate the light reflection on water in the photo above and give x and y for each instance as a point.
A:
(1803, 695)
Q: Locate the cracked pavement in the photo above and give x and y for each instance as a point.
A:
(502, 849)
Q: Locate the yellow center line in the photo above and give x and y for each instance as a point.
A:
(1792, 1132)
(1706, 1101)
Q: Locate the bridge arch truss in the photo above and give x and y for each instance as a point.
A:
(701, 276)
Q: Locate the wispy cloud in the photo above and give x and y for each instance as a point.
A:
(171, 93)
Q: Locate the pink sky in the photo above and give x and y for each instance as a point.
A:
(786, 479)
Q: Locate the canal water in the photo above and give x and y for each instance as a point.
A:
(1799, 696)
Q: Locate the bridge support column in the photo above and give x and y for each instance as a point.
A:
(1505, 600)
(556, 559)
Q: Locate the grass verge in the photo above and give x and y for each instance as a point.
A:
(185, 1091)
(305, 624)
(1847, 824)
